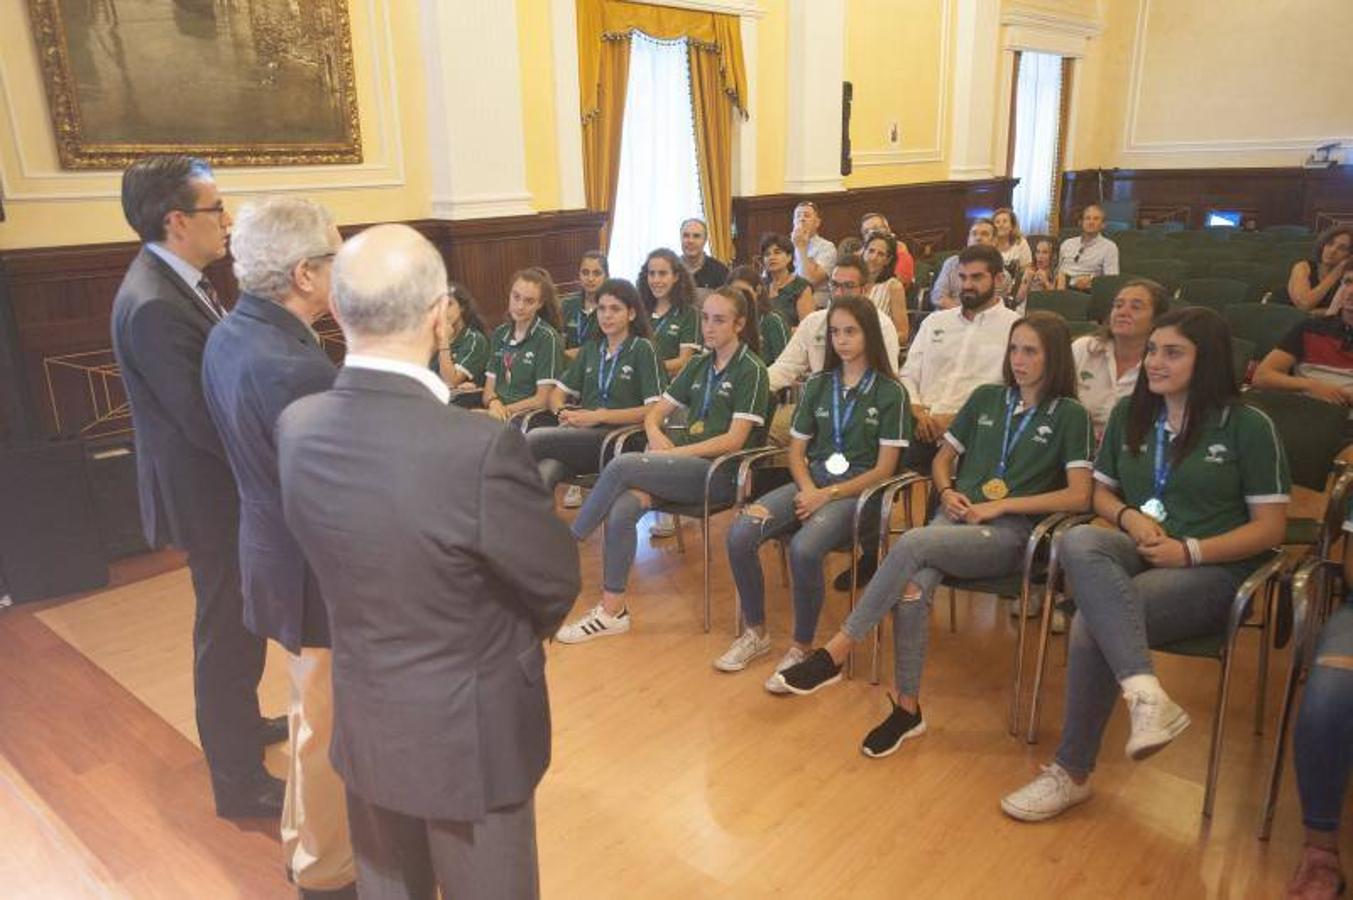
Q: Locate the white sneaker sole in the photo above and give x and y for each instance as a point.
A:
(779, 680)
(572, 501)
(583, 637)
(1157, 742)
(916, 731)
(1037, 815)
(738, 667)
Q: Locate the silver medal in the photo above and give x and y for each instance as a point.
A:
(1154, 509)
(837, 464)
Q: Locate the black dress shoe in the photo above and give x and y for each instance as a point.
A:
(274, 730)
(259, 797)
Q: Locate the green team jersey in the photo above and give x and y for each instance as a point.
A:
(677, 329)
(785, 300)
(579, 324)
(774, 336)
(881, 418)
(1237, 460)
(740, 391)
(520, 367)
(631, 379)
(470, 351)
(1057, 438)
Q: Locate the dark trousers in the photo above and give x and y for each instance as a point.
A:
(227, 667)
(401, 857)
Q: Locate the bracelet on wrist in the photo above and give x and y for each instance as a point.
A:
(1195, 548)
(1122, 511)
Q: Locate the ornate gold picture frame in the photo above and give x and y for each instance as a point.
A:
(239, 82)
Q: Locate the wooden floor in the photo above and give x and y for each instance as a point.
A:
(669, 779)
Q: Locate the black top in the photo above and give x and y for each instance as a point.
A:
(711, 275)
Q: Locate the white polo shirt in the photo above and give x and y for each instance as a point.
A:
(1097, 385)
(806, 351)
(951, 355)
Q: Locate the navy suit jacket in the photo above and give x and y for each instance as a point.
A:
(159, 328)
(257, 361)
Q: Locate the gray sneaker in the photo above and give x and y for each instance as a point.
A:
(793, 656)
(748, 646)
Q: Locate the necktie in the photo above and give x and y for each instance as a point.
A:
(213, 299)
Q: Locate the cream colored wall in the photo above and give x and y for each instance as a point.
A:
(538, 102)
(45, 206)
(772, 98)
(897, 54)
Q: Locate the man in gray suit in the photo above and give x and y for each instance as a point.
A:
(442, 567)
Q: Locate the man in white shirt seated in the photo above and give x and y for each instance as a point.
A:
(814, 255)
(955, 350)
(807, 348)
(944, 295)
(1091, 254)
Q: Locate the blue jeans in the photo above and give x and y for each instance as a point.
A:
(1123, 608)
(1323, 740)
(828, 529)
(924, 557)
(665, 477)
(563, 452)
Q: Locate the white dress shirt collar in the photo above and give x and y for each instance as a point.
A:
(426, 376)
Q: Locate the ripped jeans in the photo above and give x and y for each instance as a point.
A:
(664, 477)
(827, 529)
(1323, 741)
(924, 557)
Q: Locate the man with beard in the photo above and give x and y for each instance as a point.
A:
(955, 350)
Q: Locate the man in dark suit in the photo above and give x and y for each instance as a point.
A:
(442, 566)
(258, 360)
(162, 315)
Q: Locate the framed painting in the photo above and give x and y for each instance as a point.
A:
(238, 82)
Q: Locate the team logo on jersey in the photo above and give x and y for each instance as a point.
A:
(529, 356)
(1216, 453)
(1042, 433)
(985, 421)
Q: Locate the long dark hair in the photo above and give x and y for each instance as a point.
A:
(889, 267)
(1059, 367)
(683, 292)
(746, 310)
(1160, 303)
(465, 300)
(1212, 387)
(748, 276)
(867, 317)
(626, 293)
(1326, 237)
(549, 297)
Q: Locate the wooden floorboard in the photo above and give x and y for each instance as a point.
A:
(669, 778)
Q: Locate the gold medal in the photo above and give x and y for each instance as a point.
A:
(995, 489)
(697, 428)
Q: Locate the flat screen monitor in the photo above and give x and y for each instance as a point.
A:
(1224, 218)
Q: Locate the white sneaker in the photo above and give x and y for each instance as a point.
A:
(1156, 720)
(597, 623)
(1059, 622)
(663, 525)
(1050, 794)
(793, 656)
(573, 497)
(1035, 607)
(746, 648)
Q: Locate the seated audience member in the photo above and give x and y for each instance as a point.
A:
(1108, 361)
(258, 360)
(1014, 453)
(461, 362)
(806, 352)
(1088, 255)
(442, 568)
(1040, 275)
(773, 328)
(706, 271)
(1316, 356)
(944, 295)
(790, 294)
(849, 429)
(814, 255)
(1196, 484)
(579, 309)
(527, 351)
(668, 294)
(849, 246)
(905, 269)
(885, 291)
(611, 383)
(1322, 746)
(1313, 281)
(725, 395)
(956, 350)
(1010, 241)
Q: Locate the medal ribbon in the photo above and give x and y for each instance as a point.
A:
(1162, 462)
(582, 324)
(605, 377)
(1009, 441)
(840, 421)
(715, 378)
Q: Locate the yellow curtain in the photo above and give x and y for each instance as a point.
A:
(718, 87)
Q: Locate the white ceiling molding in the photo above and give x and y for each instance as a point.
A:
(1046, 32)
(750, 8)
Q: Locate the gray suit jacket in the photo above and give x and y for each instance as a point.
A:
(442, 565)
